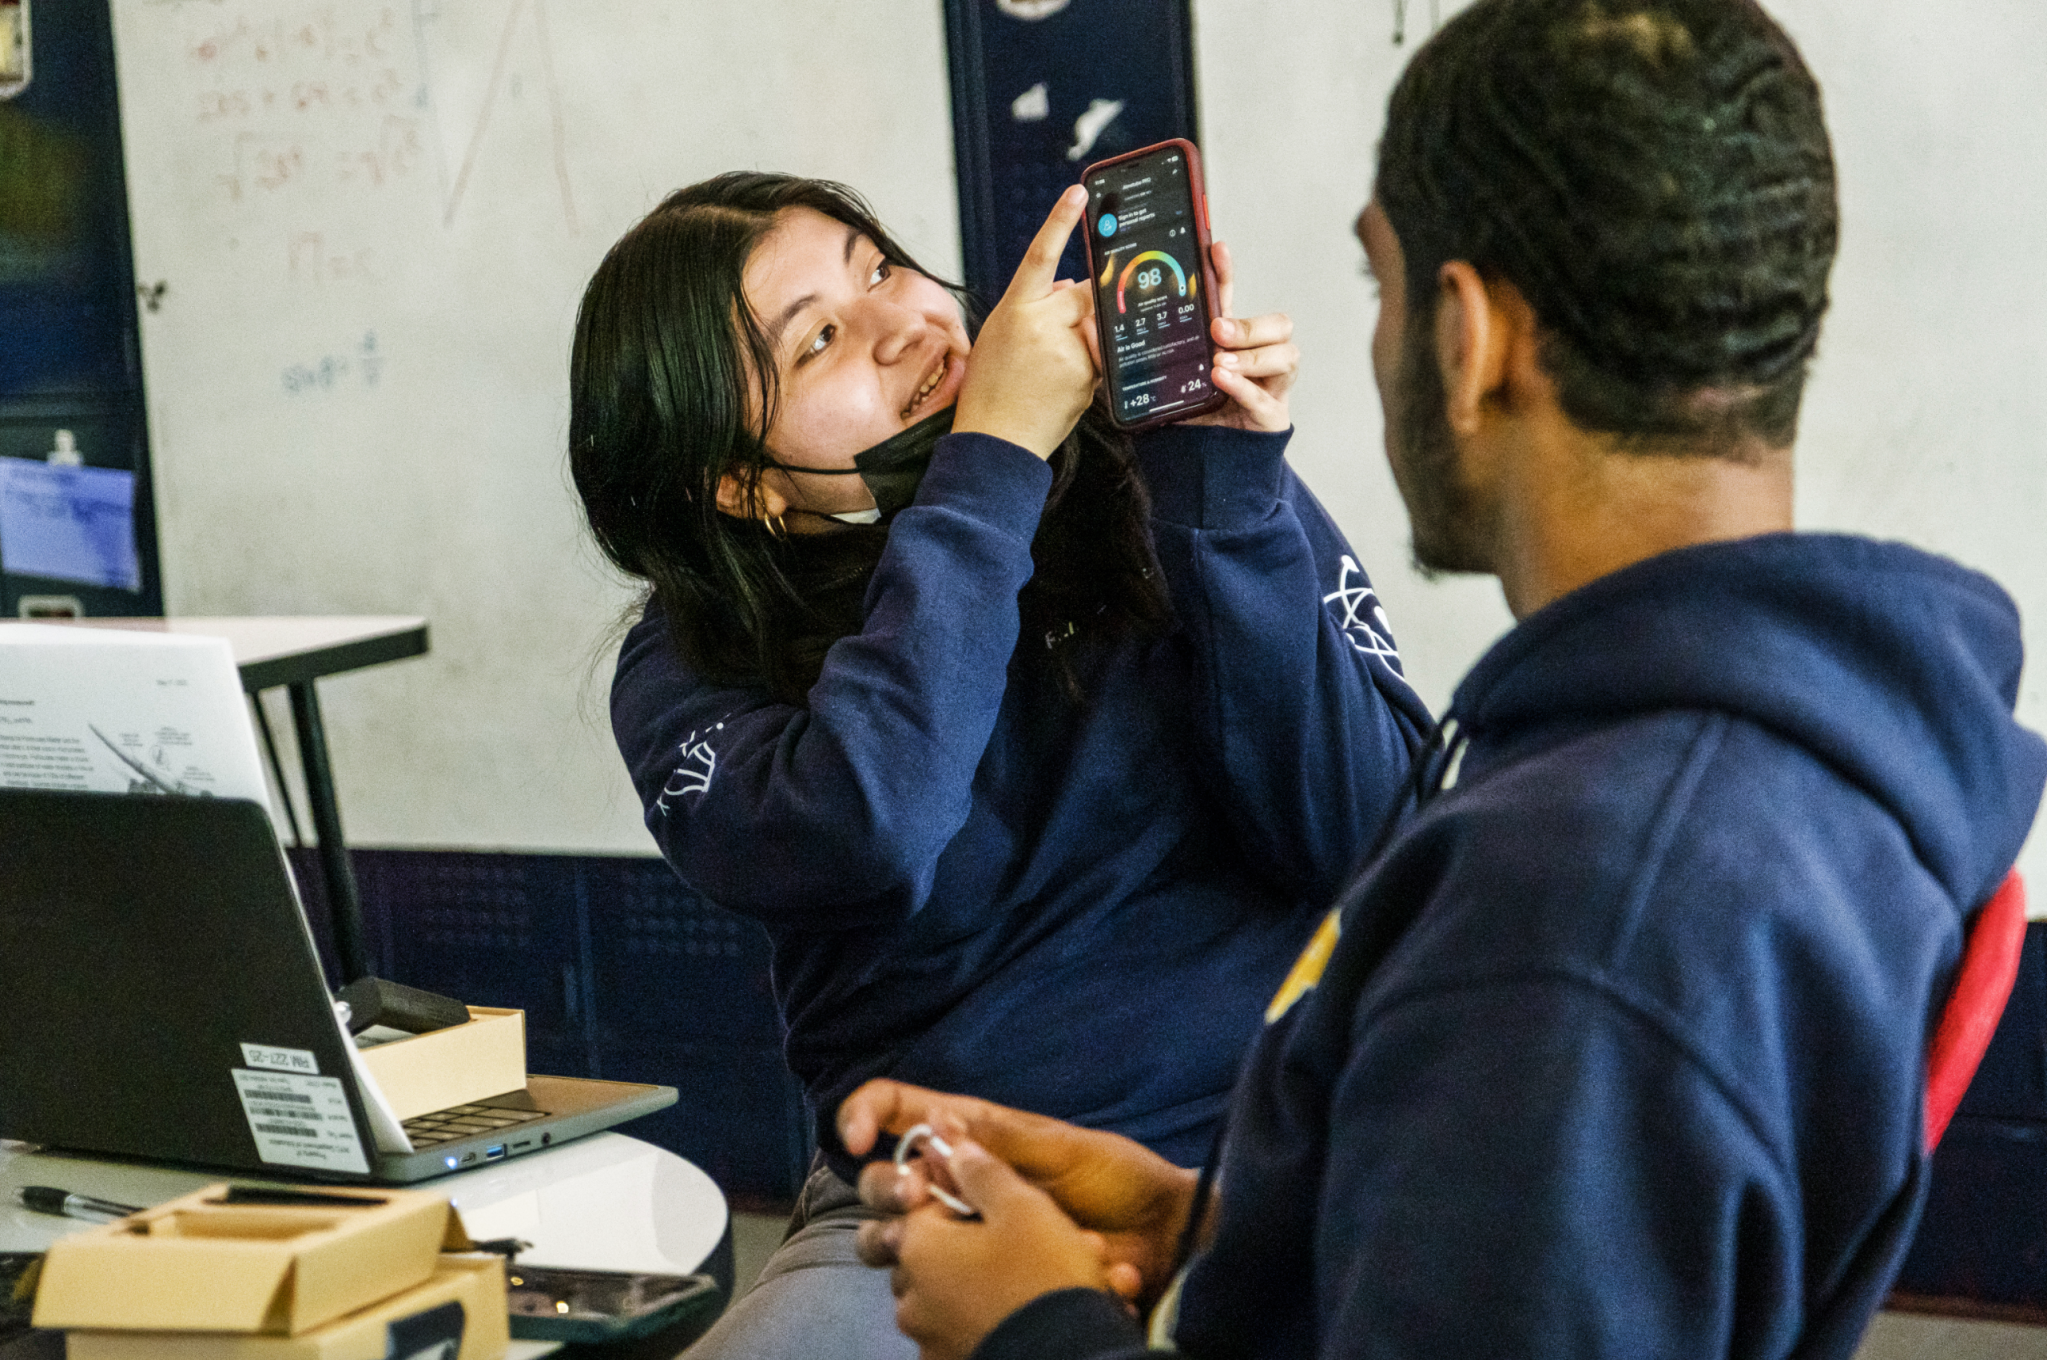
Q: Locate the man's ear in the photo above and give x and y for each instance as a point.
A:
(1475, 331)
(759, 501)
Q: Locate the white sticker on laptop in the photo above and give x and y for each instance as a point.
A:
(300, 1121)
(281, 1059)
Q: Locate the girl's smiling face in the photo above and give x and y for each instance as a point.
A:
(863, 349)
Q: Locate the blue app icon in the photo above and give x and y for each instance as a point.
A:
(1107, 226)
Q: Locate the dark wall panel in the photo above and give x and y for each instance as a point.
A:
(623, 973)
(1036, 100)
(69, 356)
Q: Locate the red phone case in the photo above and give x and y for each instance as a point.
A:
(1197, 188)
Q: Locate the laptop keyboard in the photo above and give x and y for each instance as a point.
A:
(463, 1121)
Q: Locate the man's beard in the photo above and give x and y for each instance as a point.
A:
(1440, 512)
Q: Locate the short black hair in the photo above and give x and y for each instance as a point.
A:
(1654, 176)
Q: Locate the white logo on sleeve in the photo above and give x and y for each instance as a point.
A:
(693, 775)
(1362, 620)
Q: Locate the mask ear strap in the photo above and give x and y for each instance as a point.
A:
(869, 516)
(814, 472)
(775, 526)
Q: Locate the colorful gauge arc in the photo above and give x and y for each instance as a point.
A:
(1179, 275)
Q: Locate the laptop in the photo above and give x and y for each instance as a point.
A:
(160, 998)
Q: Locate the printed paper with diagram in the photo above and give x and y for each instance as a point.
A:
(112, 711)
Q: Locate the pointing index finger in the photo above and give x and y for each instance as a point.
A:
(1035, 276)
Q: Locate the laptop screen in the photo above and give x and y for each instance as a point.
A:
(159, 991)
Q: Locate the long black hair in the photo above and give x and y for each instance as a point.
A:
(667, 373)
(1654, 176)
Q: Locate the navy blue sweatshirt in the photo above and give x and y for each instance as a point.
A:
(980, 885)
(1621, 1051)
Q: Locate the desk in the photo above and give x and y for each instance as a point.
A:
(294, 652)
(605, 1202)
(1916, 1336)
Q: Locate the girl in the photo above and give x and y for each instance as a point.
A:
(1037, 750)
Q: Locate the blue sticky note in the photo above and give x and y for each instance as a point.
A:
(68, 523)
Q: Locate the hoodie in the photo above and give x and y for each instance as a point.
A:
(973, 882)
(1621, 1050)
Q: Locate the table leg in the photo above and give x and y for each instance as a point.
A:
(291, 815)
(343, 901)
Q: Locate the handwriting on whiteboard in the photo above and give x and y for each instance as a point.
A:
(314, 97)
(310, 259)
(309, 112)
(500, 79)
(361, 366)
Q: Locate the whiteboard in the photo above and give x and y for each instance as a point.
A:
(374, 222)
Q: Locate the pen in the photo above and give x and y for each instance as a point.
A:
(48, 1199)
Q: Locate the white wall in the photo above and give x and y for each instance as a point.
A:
(440, 490)
(1293, 98)
(1926, 417)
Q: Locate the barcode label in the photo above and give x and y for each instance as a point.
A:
(300, 1120)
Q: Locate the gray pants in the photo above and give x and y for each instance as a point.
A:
(813, 1298)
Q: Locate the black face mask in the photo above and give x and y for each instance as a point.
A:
(891, 470)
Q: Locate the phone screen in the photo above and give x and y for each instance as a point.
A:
(553, 1303)
(1149, 286)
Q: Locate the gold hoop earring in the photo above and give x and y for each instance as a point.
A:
(776, 528)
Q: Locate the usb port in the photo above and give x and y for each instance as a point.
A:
(491, 1154)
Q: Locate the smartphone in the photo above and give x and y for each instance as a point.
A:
(1147, 249)
(547, 1303)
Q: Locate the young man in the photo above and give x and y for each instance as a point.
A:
(1618, 1046)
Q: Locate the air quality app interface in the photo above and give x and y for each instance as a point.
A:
(1147, 286)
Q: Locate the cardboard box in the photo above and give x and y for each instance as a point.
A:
(453, 1066)
(201, 1264)
(477, 1283)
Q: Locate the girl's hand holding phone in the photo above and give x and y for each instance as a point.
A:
(1032, 370)
(1255, 360)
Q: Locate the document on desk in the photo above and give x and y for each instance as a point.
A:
(108, 711)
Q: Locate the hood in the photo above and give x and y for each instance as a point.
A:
(1897, 668)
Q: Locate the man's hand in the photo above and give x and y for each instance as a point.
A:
(1032, 369)
(1256, 360)
(1104, 1183)
(956, 1279)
